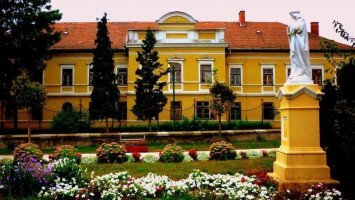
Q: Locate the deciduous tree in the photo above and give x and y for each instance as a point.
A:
(222, 99)
(28, 95)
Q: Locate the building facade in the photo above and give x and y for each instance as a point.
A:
(252, 57)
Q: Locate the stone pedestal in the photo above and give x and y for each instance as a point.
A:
(300, 161)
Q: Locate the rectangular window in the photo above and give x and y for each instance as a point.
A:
(288, 72)
(268, 76)
(122, 111)
(91, 75)
(203, 110)
(67, 77)
(268, 110)
(177, 70)
(206, 73)
(236, 111)
(37, 113)
(317, 76)
(235, 76)
(122, 76)
(178, 110)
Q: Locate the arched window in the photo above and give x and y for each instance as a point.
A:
(67, 106)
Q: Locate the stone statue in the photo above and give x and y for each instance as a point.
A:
(301, 72)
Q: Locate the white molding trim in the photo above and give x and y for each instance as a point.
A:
(169, 45)
(176, 13)
(304, 89)
(89, 66)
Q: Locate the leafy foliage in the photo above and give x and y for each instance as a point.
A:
(222, 151)
(222, 99)
(26, 32)
(150, 99)
(105, 94)
(172, 153)
(71, 121)
(111, 153)
(337, 112)
(28, 94)
(27, 150)
(66, 151)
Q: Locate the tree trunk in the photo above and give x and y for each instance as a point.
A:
(15, 119)
(29, 110)
(150, 124)
(219, 126)
(2, 114)
(106, 119)
(112, 123)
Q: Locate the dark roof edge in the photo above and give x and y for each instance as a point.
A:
(81, 50)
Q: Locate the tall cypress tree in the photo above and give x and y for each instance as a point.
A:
(105, 95)
(150, 99)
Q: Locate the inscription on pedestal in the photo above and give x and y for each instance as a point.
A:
(284, 128)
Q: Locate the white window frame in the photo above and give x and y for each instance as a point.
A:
(122, 66)
(318, 67)
(267, 66)
(67, 66)
(241, 75)
(181, 62)
(205, 62)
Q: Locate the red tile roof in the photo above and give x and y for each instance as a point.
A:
(81, 35)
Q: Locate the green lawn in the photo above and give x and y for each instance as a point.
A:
(200, 146)
(182, 170)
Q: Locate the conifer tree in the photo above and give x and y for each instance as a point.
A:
(150, 99)
(105, 94)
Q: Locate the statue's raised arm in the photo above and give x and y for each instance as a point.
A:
(301, 72)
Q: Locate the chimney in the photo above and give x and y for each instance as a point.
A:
(315, 28)
(242, 18)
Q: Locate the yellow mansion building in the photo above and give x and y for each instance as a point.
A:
(252, 57)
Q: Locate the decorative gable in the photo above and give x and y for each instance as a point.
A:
(176, 17)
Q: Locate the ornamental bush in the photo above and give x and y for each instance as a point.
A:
(68, 169)
(222, 151)
(71, 121)
(66, 151)
(27, 150)
(111, 153)
(172, 153)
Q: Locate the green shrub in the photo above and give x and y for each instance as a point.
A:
(172, 153)
(111, 153)
(71, 121)
(222, 151)
(27, 150)
(66, 151)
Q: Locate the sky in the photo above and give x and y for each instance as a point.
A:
(322, 11)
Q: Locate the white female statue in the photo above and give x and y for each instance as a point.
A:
(301, 72)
